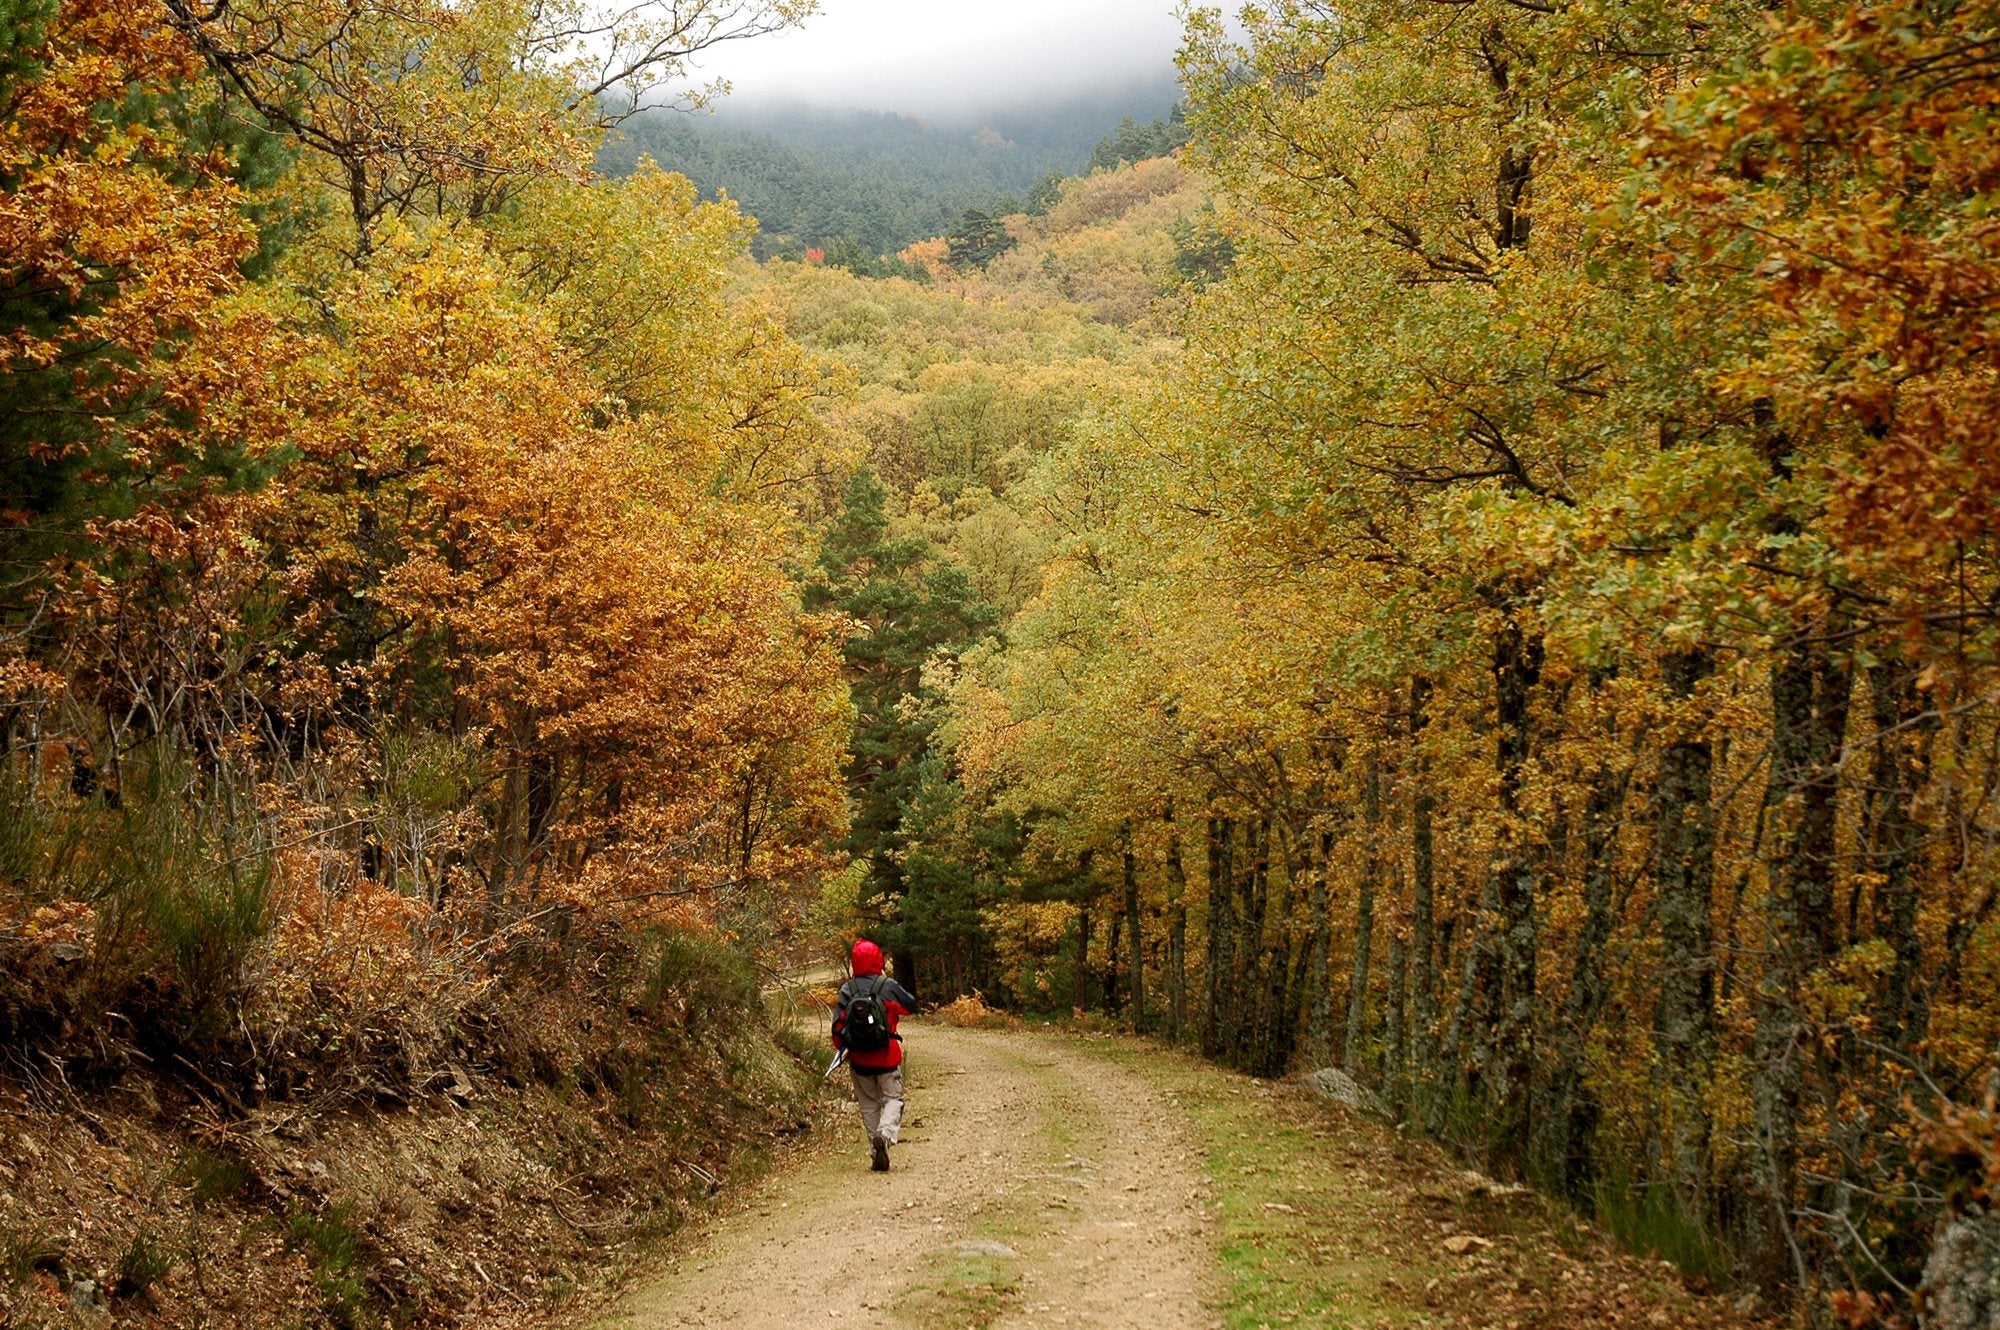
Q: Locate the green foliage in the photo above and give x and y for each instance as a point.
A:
(910, 605)
(211, 121)
(1045, 193)
(712, 986)
(876, 180)
(848, 253)
(956, 867)
(1134, 142)
(977, 239)
(1651, 1219)
(177, 868)
(333, 1241)
(1203, 251)
(209, 1177)
(183, 879)
(22, 25)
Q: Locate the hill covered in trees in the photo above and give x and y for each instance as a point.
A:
(816, 176)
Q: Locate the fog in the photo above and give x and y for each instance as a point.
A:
(936, 57)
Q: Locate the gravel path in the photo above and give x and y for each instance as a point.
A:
(1035, 1186)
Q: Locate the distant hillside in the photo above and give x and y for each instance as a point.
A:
(814, 175)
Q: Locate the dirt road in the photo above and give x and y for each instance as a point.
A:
(1035, 1186)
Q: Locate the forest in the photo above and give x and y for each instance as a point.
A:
(1466, 554)
(874, 182)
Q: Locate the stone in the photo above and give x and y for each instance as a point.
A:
(1961, 1288)
(1478, 1185)
(985, 1247)
(1335, 1084)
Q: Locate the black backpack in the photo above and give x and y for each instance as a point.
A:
(867, 1028)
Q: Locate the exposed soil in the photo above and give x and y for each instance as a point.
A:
(1050, 1180)
(1043, 1180)
(491, 1182)
(1036, 1185)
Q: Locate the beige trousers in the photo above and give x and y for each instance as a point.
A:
(881, 1101)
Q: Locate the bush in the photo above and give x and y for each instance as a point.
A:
(1652, 1220)
(185, 883)
(971, 1013)
(711, 985)
(168, 877)
(209, 1177)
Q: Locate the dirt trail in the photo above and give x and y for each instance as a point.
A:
(1035, 1186)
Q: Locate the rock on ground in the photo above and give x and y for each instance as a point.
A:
(1337, 1085)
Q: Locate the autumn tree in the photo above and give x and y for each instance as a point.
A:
(1542, 601)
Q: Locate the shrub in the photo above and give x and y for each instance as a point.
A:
(187, 884)
(209, 1177)
(174, 875)
(712, 985)
(1652, 1220)
(971, 1013)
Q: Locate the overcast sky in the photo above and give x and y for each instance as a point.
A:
(934, 55)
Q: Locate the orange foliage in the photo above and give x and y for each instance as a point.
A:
(930, 255)
(115, 220)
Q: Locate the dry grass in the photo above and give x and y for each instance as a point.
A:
(971, 1013)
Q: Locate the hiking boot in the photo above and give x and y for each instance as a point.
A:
(880, 1163)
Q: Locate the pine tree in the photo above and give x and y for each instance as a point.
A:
(908, 604)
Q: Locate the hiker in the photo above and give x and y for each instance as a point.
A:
(864, 1024)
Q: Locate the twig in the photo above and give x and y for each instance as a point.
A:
(1862, 1243)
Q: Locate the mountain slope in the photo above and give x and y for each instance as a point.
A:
(813, 175)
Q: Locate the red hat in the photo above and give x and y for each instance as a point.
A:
(867, 957)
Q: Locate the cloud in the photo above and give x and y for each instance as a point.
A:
(930, 56)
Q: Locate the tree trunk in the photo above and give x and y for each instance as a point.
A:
(1517, 664)
(1810, 690)
(1113, 998)
(1080, 994)
(1176, 933)
(1395, 1070)
(1319, 1015)
(1467, 1070)
(1574, 1111)
(1423, 910)
(1904, 730)
(1218, 1032)
(1137, 964)
(1364, 919)
(1961, 1288)
(1281, 1027)
(1684, 878)
(1248, 992)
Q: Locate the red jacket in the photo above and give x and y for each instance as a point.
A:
(897, 1002)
